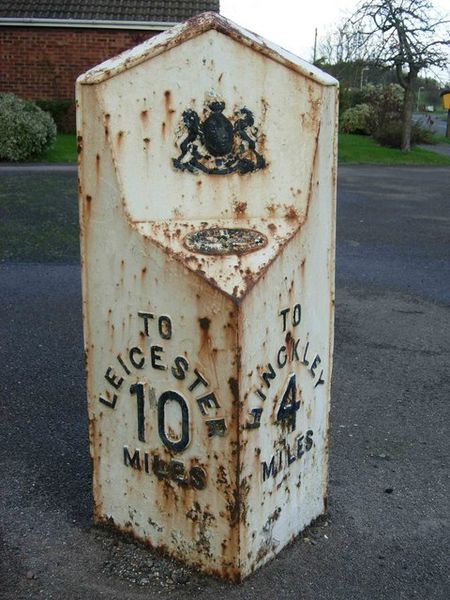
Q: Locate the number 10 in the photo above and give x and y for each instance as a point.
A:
(176, 446)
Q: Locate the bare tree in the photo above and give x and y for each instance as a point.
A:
(341, 46)
(406, 35)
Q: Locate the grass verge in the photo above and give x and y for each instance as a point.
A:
(64, 150)
(353, 149)
(441, 139)
(360, 149)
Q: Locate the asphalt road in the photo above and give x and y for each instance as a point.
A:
(434, 122)
(387, 534)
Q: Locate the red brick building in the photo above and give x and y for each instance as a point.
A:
(46, 44)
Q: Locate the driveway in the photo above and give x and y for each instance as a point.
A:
(437, 123)
(387, 532)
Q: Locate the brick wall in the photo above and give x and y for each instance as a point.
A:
(44, 62)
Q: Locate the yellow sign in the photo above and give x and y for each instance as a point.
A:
(445, 99)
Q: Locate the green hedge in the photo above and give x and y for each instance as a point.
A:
(63, 113)
(25, 129)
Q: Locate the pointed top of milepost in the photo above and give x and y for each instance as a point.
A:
(192, 28)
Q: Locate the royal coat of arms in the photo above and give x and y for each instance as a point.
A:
(219, 145)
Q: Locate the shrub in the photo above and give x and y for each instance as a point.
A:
(390, 134)
(386, 102)
(356, 97)
(348, 98)
(380, 115)
(25, 129)
(357, 119)
(380, 105)
(421, 135)
(63, 113)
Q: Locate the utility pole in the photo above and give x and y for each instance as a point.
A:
(361, 83)
(418, 98)
(315, 47)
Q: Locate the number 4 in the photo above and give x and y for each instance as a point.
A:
(289, 404)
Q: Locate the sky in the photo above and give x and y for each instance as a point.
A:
(291, 23)
(288, 23)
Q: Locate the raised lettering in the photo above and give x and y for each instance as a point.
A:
(320, 381)
(295, 345)
(289, 404)
(283, 313)
(181, 365)
(315, 363)
(281, 361)
(177, 472)
(261, 394)
(155, 358)
(199, 380)
(113, 379)
(136, 364)
(132, 461)
(300, 451)
(179, 445)
(165, 327)
(269, 471)
(125, 368)
(297, 315)
(198, 478)
(305, 361)
(309, 441)
(216, 427)
(208, 401)
(290, 457)
(256, 414)
(138, 389)
(109, 403)
(268, 375)
(160, 467)
(146, 316)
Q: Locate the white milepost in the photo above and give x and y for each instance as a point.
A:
(207, 199)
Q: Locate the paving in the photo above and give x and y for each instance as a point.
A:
(387, 532)
(38, 168)
(436, 123)
(438, 148)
